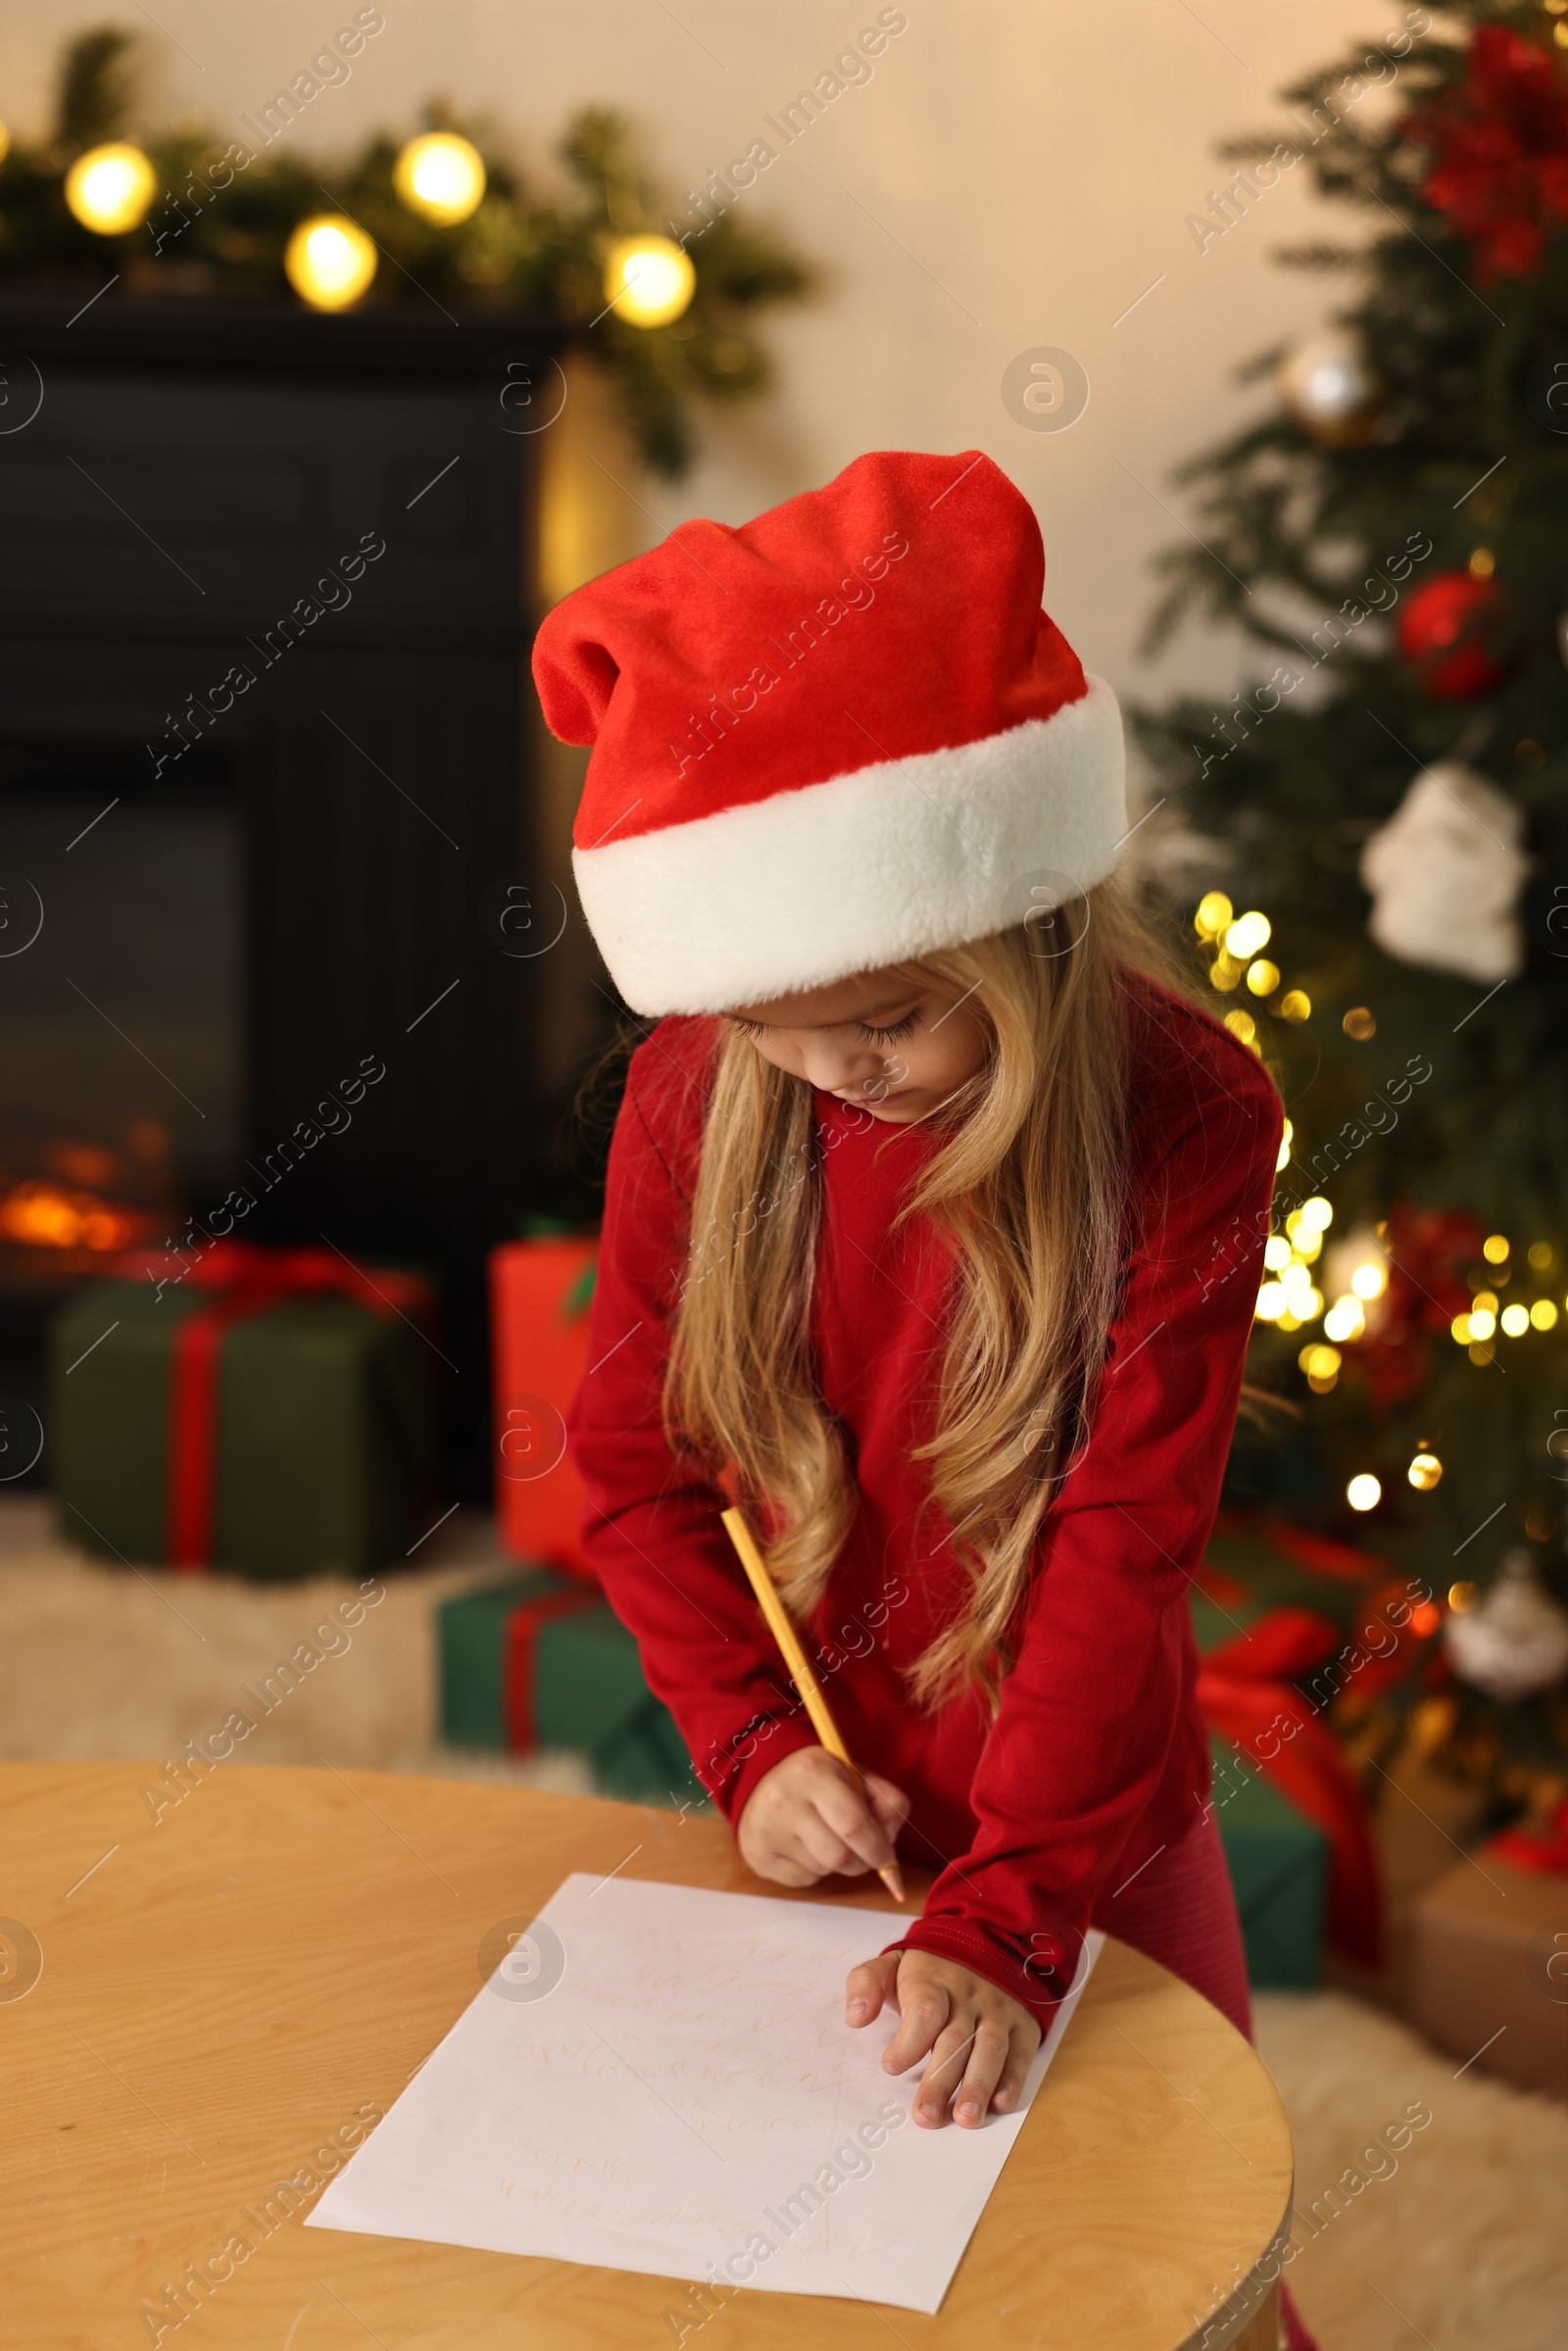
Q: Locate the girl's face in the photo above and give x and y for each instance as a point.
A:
(887, 1043)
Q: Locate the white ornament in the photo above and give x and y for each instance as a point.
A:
(1515, 1641)
(1444, 876)
(1329, 387)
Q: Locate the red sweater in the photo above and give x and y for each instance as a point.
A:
(1098, 1758)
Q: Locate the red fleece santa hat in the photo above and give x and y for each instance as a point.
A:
(840, 737)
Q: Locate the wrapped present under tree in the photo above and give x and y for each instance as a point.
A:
(271, 1412)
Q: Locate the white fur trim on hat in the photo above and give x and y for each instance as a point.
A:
(889, 863)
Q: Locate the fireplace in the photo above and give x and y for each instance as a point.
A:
(265, 775)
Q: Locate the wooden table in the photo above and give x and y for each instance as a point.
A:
(192, 2007)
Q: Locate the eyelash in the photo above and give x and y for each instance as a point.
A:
(888, 1036)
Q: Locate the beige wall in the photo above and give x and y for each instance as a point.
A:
(1033, 158)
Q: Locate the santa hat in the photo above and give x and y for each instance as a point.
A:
(839, 737)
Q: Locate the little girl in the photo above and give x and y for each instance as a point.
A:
(933, 1229)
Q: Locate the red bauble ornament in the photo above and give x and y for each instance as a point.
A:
(1498, 151)
(1462, 633)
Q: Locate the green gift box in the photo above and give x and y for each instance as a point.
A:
(318, 1446)
(1278, 1862)
(541, 1661)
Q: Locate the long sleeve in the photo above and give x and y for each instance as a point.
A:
(652, 1531)
(1073, 1791)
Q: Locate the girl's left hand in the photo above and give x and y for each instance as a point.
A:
(978, 2039)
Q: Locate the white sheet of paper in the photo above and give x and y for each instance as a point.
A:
(660, 2079)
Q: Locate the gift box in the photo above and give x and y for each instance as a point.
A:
(1278, 1861)
(540, 1662)
(1488, 1969)
(540, 1290)
(1276, 1613)
(272, 1412)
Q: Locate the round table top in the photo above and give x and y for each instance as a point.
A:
(192, 2004)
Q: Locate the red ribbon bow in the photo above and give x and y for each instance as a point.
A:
(247, 1279)
(1246, 1689)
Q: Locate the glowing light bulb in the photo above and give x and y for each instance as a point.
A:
(1544, 1314)
(1247, 935)
(329, 262)
(1460, 1329)
(1316, 1213)
(1369, 1280)
(1296, 1005)
(1424, 1472)
(1241, 1024)
(649, 280)
(1343, 1319)
(1516, 1320)
(111, 188)
(1262, 977)
(1271, 1301)
(1494, 1249)
(1214, 912)
(440, 175)
(1363, 1493)
(1483, 1322)
(1276, 1253)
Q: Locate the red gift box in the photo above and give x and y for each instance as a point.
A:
(539, 1295)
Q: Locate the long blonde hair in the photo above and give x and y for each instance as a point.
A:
(1029, 1186)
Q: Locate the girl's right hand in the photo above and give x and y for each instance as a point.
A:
(806, 1818)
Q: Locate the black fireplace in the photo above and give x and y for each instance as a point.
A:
(266, 797)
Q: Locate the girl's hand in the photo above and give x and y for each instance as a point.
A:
(807, 1820)
(978, 2039)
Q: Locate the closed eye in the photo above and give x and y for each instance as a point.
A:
(889, 1035)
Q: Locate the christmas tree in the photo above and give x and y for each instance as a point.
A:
(1381, 819)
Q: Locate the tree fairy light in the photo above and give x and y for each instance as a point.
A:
(649, 280)
(111, 188)
(1247, 935)
(1363, 1493)
(440, 175)
(329, 262)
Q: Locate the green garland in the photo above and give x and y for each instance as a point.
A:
(226, 213)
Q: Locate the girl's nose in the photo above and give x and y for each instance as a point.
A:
(841, 1069)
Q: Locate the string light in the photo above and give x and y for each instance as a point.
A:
(110, 190)
(1271, 1301)
(329, 262)
(1224, 973)
(1460, 1329)
(1539, 1255)
(1363, 1493)
(1369, 1280)
(1321, 1365)
(1344, 1320)
(1286, 1139)
(1424, 1472)
(1360, 1023)
(1494, 1249)
(440, 175)
(649, 280)
(1241, 1024)
(1214, 912)
(1544, 1314)
(1461, 1595)
(1316, 1213)
(1516, 1320)
(1483, 1322)
(1246, 935)
(1262, 977)
(1296, 1005)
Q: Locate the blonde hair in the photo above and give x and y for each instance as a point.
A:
(1028, 1183)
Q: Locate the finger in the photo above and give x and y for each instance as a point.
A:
(816, 1841)
(944, 2072)
(869, 1988)
(988, 2054)
(850, 1816)
(923, 2012)
(890, 1804)
(1021, 2056)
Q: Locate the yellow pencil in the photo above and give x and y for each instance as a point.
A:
(806, 1682)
